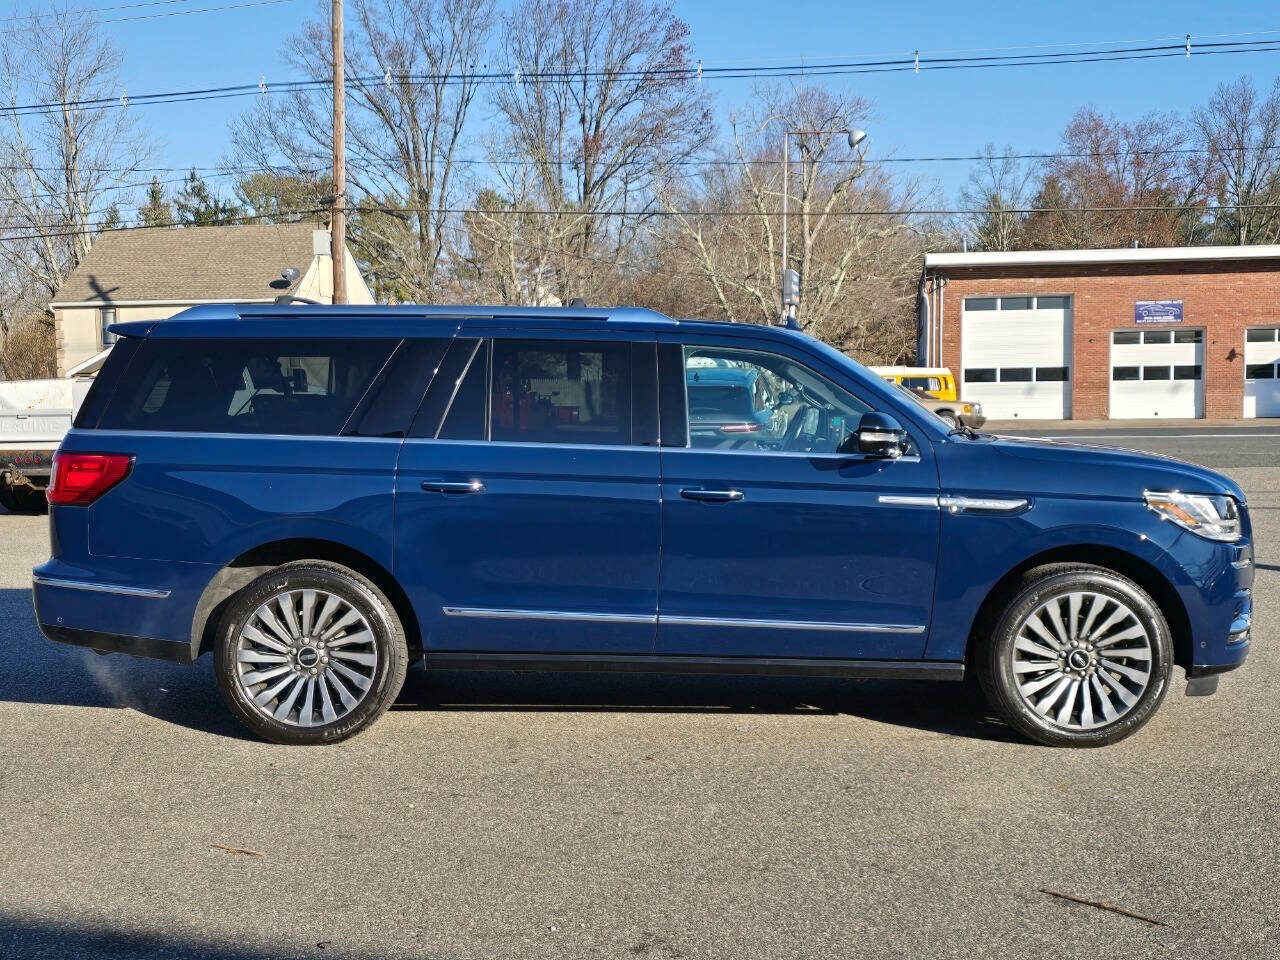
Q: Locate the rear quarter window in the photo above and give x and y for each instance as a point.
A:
(300, 387)
(105, 383)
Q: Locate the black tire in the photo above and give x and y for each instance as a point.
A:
(387, 645)
(949, 418)
(9, 498)
(31, 499)
(995, 658)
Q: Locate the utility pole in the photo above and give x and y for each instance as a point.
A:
(338, 222)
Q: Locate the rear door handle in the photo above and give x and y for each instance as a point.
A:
(453, 486)
(712, 496)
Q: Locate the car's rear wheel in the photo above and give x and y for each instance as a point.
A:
(1079, 656)
(310, 653)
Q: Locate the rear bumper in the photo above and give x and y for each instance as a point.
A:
(131, 613)
(114, 643)
(33, 464)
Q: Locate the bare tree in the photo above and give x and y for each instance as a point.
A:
(413, 71)
(602, 102)
(1241, 130)
(858, 258)
(63, 154)
(995, 196)
(1116, 184)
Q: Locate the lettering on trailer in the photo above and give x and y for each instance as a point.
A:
(1157, 311)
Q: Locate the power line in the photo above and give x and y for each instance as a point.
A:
(187, 13)
(290, 169)
(686, 73)
(903, 212)
(43, 14)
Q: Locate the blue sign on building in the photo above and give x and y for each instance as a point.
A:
(1157, 311)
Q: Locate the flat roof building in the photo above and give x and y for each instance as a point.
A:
(1090, 334)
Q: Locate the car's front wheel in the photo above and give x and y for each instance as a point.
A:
(311, 652)
(1079, 656)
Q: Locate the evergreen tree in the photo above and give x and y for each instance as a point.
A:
(199, 206)
(157, 211)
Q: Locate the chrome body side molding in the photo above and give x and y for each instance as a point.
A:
(583, 617)
(790, 624)
(96, 587)
(486, 613)
(983, 504)
(905, 501)
(958, 504)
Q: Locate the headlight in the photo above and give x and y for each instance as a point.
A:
(1214, 518)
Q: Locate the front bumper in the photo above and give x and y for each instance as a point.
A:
(1225, 632)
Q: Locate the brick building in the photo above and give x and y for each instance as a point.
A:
(1084, 334)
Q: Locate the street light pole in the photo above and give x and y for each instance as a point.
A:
(786, 183)
(856, 137)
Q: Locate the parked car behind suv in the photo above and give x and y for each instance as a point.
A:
(316, 495)
(951, 412)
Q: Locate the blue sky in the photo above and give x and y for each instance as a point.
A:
(944, 112)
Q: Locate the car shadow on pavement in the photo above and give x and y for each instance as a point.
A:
(942, 707)
(41, 939)
(34, 669)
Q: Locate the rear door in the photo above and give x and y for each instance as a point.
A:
(775, 543)
(527, 495)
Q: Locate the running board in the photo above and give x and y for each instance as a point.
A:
(648, 663)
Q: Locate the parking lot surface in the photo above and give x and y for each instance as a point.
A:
(495, 815)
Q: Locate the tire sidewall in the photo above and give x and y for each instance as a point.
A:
(354, 589)
(1000, 683)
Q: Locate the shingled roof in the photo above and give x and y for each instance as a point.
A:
(190, 263)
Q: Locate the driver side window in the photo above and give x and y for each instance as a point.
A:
(754, 400)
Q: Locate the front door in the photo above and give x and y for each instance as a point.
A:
(527, 511)
(775, 543)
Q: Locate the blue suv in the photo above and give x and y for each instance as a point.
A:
(316, 495)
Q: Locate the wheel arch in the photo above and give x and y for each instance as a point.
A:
(252, 563)
(1119, 561)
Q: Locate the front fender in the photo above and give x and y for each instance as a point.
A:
(980, 550)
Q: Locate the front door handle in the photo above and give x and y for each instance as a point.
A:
(453, 486)
(711, 496)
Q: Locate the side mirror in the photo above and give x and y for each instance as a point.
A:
(880, 435)
(785, 399)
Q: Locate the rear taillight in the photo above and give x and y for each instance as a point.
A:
(80, 478)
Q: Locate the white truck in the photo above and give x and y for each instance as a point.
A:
(34, 417)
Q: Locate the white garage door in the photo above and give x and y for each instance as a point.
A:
(1016, 356)
(1262, 372)
(1157, 373)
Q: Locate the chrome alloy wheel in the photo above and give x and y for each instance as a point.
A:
(306, 657)
(1082, 660)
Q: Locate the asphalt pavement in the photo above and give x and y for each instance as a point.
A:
(503, 815)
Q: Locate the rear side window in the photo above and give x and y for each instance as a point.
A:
(301, 387)
(561, 392)
(922, 383)
(391, 404)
